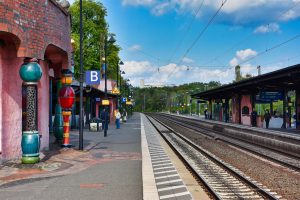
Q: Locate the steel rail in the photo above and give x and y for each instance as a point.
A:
(234, 172)
(237, 143)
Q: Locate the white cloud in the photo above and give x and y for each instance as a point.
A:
(172, 74)
(234, 62)
(269, 28)
(241, 56)
(135, 47)
(234, 11)
(135, 68)
(138, 2)
(245, 54)
(187, 60)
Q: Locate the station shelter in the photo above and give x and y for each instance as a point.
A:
(277, 92)
(92, 102)
(39, 31)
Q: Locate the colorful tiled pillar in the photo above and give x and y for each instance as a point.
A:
(58, 119)
(31, 73)
(66, 100)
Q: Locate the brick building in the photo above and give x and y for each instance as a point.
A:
(29, 29)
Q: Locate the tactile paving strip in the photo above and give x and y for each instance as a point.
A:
(168, 182)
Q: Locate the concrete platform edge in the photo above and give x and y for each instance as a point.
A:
(149, 186)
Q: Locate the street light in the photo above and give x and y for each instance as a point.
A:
(121, 72)
(120, 63)
(81, 81)
(111, 40)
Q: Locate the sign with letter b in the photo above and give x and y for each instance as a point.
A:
(92, 77)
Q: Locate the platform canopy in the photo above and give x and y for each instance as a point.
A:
(281, 80)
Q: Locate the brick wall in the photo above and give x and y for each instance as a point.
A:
(37, 23)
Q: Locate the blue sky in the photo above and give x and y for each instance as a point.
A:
(166, 42)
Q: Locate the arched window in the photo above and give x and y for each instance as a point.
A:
(245, 110)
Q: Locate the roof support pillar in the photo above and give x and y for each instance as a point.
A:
(240, 108)
(210, 109)
(298, 109)
(284, 109)
(226, 113)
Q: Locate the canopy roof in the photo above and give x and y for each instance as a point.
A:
(280, 80)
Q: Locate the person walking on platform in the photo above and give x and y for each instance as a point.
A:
(124, 115)
(205, 113)
(118, 117)
(267, 118)
(253, 117)
(103, 114)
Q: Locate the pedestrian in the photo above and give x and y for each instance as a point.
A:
(103, 115)
(125, 115)
(205, 113)
(267, 117)
(253, 117)
(118, 117)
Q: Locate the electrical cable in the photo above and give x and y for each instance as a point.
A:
(227, 51)
(186, 33)
(270, 49)
(199, 35)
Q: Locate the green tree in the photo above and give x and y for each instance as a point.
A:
(95, 30)
(169, 98)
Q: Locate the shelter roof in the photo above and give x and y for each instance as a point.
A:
(280, 80)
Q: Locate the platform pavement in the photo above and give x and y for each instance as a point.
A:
(109, 168)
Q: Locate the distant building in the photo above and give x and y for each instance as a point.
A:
(142, 83)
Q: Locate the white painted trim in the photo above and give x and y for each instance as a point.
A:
(175, 195)
(168, 182)
(171, 188)
(149, 187)
(165, 172)
(167, 176)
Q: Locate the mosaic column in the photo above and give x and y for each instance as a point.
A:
(58, 119)
(31, 73)
(66, 100)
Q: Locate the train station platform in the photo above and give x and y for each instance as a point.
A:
(294, 133)
(130, 163)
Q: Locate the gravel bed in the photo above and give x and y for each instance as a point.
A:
(279, 179)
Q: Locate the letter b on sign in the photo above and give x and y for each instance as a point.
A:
(92, 77)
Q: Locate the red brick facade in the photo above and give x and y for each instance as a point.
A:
(36, 24)
(36, 29)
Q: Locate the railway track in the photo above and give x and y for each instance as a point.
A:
(221, 179)
(288, 160)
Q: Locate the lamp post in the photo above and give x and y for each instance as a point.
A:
(81, 81)
(120, 63)
(111, 40)
(121, 72)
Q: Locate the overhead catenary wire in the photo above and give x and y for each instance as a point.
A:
(186, 32)
(270, 49)
(199, 35)
(227, 51)
(142, 52)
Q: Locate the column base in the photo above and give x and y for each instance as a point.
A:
(67, 145)
(30, 160)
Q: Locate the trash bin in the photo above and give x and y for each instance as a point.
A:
(95, 125)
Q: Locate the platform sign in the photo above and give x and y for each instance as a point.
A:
(98, 99)
(105, 102)
(270, 96)
(92, 77)
(124, 99)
